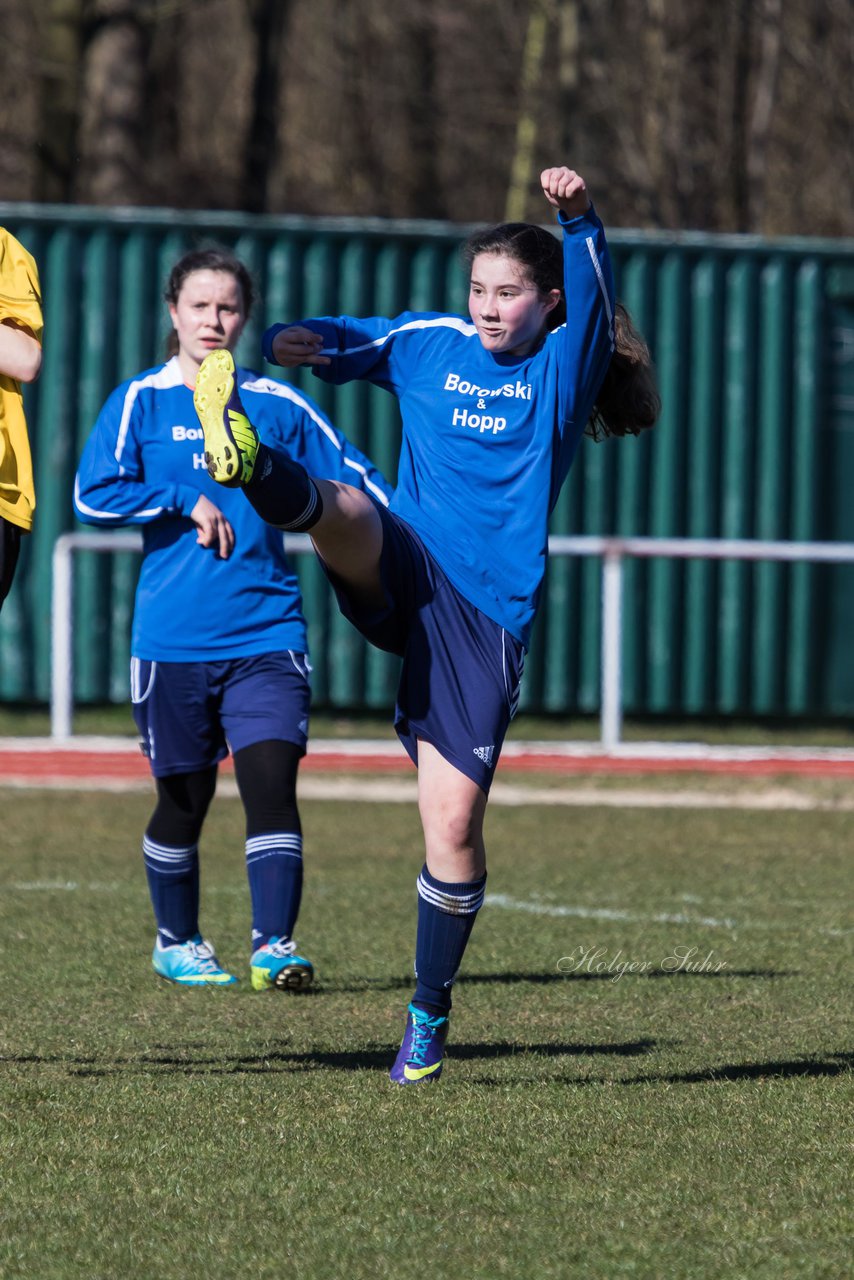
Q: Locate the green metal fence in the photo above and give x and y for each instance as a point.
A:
(754, 345)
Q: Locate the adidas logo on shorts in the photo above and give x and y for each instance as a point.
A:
(485, 754)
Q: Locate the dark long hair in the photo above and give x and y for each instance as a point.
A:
(628, 401)
(213, 258)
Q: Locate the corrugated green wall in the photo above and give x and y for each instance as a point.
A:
(754, 343)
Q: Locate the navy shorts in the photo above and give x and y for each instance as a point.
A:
(189, 714)
(459, 685)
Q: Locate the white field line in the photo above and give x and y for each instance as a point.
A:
(604, 913)
(502, 793)
(492, 900)
(500, 900)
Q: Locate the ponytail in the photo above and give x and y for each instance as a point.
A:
(628, 401)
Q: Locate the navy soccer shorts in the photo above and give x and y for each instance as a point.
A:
(459, 684)
(189, 714)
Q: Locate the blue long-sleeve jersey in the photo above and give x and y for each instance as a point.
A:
(144, 465)
(487, 439)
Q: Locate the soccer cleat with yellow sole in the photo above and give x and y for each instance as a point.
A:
(278, 965)
(231, 441)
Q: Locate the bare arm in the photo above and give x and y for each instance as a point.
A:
(20, 353)
(565, 190)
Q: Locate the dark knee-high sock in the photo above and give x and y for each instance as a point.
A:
(267, 778)
(446, 915)
(173, 882)
(274, 867)
(283, 493)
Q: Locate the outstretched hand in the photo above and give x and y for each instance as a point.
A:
(565, 190)
(296, 345)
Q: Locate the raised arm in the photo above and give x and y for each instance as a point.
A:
(586, 341)
(565, 190)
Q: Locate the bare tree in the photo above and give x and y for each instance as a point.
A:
(113, 115)
(569, 75)
(809, 184)
(759, 123)
(60, 93)
(680, 113)
(19, 103)
(522, 167)
(201, 107)
(419, 182)
(269, 25)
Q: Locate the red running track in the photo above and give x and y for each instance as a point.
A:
(29, 762)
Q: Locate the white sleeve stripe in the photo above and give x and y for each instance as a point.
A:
(464, 327)
(148, 513)
(597, 267)
(287, 392)
(168, 376)
(374, 489)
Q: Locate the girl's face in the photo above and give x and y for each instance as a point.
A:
(508, 311)
(208, 314)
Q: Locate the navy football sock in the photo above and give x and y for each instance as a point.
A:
(446, 915)
(283, 493)
(274, 867)
(173, 882)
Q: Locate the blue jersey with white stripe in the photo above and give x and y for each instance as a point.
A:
(144, 465)
(487, 439)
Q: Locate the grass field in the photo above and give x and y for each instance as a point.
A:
(591, 1122)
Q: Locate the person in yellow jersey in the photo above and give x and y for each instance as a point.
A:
(20, 361)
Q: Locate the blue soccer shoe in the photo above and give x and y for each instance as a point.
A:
(191, 964)
(419, 1058)
(278, 965)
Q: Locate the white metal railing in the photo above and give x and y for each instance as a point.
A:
(613, 552)
(62, 611)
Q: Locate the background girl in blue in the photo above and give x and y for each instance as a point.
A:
(219, 638)
(449, 576)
